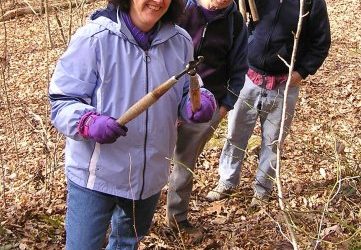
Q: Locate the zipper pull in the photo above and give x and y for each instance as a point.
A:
(201, 41)
(204, 30)
(146, 56)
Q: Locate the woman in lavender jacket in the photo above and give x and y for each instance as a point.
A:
(116, 173)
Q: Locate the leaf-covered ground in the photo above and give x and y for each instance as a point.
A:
(321, 163)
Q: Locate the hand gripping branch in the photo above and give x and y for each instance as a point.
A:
(149, 99)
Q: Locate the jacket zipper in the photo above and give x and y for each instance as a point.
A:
(270, 34)
(201, 41)
(203, 35)
(146, 126)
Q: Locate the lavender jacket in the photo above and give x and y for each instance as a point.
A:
(104, 70)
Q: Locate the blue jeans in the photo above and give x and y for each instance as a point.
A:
(89, 214)
(256, 102)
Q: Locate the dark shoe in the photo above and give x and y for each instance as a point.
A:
(190, 233)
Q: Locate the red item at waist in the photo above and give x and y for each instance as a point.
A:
(268, 81)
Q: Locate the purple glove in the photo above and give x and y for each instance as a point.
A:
(101, 128)
(205, 113)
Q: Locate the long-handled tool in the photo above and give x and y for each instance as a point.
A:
(252, 7)
(194, 91)
(242, 9)
(150, 98)
(254, 12)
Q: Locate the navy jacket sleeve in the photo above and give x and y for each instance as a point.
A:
(238, 65)
(319, 40)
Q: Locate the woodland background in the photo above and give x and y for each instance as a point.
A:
(321, 164)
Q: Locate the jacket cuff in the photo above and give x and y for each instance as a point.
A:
(228, 104)
(302, 72)
(83, 124)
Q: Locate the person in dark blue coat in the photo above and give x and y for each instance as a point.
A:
(262, 96)
(220, 36)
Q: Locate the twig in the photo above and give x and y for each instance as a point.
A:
(8, 104)
(30, 7)
(133, 199)
(179, 233)
(43, 127)
(325, 209)
(3, 178)
(82, 11)
(329, 200)
(48, 23)
(13, 190)
(70, 20)
(44, 136)
(282, 129)
(277, 223)
(60, 25)
(182, 164)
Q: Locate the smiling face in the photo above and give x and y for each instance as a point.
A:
(146, 13)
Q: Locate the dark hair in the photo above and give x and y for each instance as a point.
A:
(172, 15)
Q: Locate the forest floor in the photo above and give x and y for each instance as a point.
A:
(321, 164)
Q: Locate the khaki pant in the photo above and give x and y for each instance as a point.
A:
(191, 140)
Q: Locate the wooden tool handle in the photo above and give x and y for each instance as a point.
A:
(194, 93)
(254, 12)
(242, 9)
(146, 101)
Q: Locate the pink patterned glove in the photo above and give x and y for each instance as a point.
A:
(208, 107)
(101, 128)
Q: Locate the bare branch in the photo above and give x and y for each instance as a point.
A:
(282, 129)
(35, 10)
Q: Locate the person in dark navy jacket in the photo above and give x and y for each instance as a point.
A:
(271, 37)
(220, 36)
